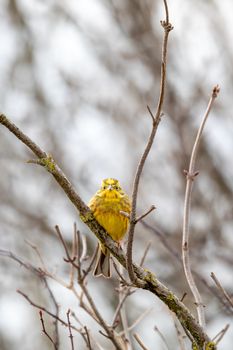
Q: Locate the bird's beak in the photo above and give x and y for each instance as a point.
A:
(110, 187)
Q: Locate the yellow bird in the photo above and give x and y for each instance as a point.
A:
(106, 206)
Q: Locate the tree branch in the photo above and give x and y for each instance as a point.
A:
(136, 336)
(156, 120)
(70, 331)
(222, 290)
(45, 332)
(190, 176)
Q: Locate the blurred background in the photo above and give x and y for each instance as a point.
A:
(76, 76)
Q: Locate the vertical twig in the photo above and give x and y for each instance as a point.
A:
(136, 336)
(56, 333)
(180, 336)
(145, 253)
(156, 329)
(156, 119)
(70, 332)
(88, 338)
(190, 176)
(45, 332)
(124, 291)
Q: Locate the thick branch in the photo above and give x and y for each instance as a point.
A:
(148, 280)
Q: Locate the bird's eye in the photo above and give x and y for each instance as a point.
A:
(104, 187)
(117, 188)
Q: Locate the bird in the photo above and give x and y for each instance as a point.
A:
(111, 208)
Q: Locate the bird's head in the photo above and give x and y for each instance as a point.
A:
(110, 185)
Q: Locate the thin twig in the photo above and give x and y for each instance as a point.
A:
(46, 311)
(84, 333)
(138, 320)
(92, 310)
(56, 333)
(45, 332)
(88, 269)
(166, 11)
(69, 259)
(74, 253)
(190, 176)
(183, 296)
(122, 279)
(145, 214)
(222, 290)
(155, 122)
(138, 339)
(178, 329)
(27, 265)
(35, 248)
(145, 253)
(125, 294)
(124, 291)
(88, 338)
(156, 329)
(218, 337)
(151, 114)
(70, 332)
(84, 256)
(110, 333)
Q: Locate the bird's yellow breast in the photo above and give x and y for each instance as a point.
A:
(107, 207)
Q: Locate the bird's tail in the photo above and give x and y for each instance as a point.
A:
(102, 267)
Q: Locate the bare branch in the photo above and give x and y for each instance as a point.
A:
(145, 253)
(56, 334)
(69, 259)
(35, 248)
(138, 320)
(88, 338)
(124, 292)
(156, 329)
(180, 336)
(88, 269)
(119, 306)
(145, 214)
(151, 114)
(86, 335)
(122, 279)
(221, 334)
(70, 332)
(191, 174)
(183, 296)
(222, 290)
(138, 339)
(156, 120)
(83, 257)
(45, 332)
(166, 11)
(22, 137)
(110, 333)
(46, 311)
